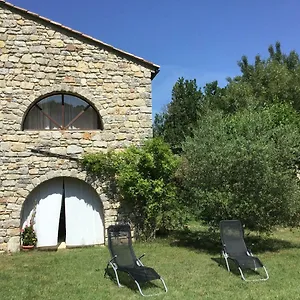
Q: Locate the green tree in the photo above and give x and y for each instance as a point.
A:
(180, 115)
(240, 143)
(244, 166)
(266, 81)
(213, 97)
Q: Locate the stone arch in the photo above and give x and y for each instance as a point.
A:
(55, 194)
(63, 87)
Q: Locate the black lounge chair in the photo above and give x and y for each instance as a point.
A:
(124, 259)
(234, 248)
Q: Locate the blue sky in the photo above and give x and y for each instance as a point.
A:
(200, 39)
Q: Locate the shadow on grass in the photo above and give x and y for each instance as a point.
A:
(221, 263)
(198, 240)
(234, 269)
(209, 241)
(128, 282)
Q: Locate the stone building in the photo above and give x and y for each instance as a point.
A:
(62, 94)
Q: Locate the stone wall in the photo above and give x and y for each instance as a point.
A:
(36, 60)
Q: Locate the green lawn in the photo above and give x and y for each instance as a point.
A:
(188, 261)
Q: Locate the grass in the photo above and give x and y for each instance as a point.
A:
(188, 261)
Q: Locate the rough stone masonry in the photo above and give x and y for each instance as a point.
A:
(39, 57)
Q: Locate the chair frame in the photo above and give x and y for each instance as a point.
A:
(226, 256)
(114, 265)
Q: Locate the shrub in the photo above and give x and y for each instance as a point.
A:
(145, 183)
(28, 236)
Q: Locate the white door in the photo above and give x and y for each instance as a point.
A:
(84, 225)
(46, 200)
(83, 212)
(48, 212)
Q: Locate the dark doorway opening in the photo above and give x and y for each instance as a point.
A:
(62, 219)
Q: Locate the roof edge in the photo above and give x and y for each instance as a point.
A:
(153, 67)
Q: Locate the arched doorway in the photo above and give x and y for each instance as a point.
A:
(66, 210)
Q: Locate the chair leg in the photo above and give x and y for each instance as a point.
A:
(116, 273)
(166, 289)
(242, 274)
(117, 277)
(226, 260)
(106, 270)
(141, 292)
(267, 274)
(261, 279)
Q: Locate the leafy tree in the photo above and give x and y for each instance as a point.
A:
(243, 166)
(158, 126)
(240, 160)
(180, 115)
(275, 79)
(213, 97)
(267, 81)
(145, 182)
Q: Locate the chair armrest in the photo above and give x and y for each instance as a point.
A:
(224, 251)
(138, 261)
(112, 259)
(142, 256)
(224, 248)
(112, 264)
(249, 252)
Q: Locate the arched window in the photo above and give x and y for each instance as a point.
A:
(62, 112)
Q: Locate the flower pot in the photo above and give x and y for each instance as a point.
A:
(28, 247)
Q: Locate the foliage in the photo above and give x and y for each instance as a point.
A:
(240, 160)
(28, 236)
(181, 114)
(275, 79)
(243, 166)
(145, 181)
(213, 97)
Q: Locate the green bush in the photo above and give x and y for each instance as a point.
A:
(145, 183)
(244, 166)
(28, 236)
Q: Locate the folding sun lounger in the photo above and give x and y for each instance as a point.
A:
(234, 248)
(123, 258)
